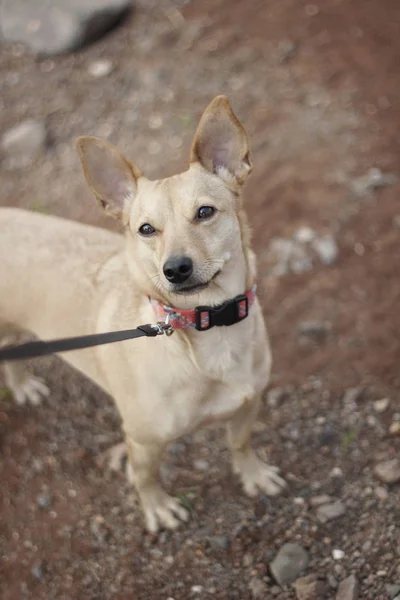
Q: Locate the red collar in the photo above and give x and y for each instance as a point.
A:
(205, 317)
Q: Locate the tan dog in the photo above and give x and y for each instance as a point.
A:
(186, 244)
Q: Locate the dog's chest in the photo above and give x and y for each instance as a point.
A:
(224, 353)
(226, 360)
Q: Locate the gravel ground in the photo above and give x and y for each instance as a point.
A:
(317, 86)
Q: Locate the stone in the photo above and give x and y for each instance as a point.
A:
(394, 428)
(258, 589)
(309, 588)
(388, 471)
(352, 396)
(337, 554)
(326, 249)
(290, 561)
(373, 180)
(197, 589)
(348, 589)
(50, 27)
(305, 235)
(200, 464)
(316, 501)
(277, 396)
(314, 330)
(43, 500)
(24, 143)
(220, 541)
(392, 590)
(328, 512)
(100, 68)
(381, 405)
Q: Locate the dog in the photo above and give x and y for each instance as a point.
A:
(186, 244)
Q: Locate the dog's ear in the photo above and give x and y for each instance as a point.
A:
(220, 143)
(111, 176)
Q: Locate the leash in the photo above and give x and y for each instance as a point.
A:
(201, 318)
(41, 348)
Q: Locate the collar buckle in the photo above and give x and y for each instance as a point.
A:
(226, 314)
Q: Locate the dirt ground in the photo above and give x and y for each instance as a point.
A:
(318, 89)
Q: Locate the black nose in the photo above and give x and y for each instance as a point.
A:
(178, 269)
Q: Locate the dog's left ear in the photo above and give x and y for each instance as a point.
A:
(220, 143)
(110, 176)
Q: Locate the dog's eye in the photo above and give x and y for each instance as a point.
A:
(205, 212)
(146, 229)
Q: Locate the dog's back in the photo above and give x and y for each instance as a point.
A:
(48, 272)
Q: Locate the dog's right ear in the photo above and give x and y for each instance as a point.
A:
(111, 176)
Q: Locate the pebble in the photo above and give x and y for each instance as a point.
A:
(258, 588)
(197, 589)
(348, 589)
(394, 428)
(277, 396)
(59, 27)
(327, 249)
(381, 493)
(309, 588)
(24, 143)
(290, 561)
(337, 554)
(43, 500)
(333, 584)
(314, 330)
(373, 179)
(38, 570)
(336, 472)
(328, 512)
(220, 541)
(305, 235)
(381, 405)
(100, 68)
(392, 590)
(388, 471)
(319, 500)
(201, 465)
(353, 395)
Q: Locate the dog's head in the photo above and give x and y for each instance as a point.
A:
(184, 233)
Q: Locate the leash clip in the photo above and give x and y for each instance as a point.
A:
(166, 327)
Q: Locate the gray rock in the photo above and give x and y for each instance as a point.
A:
(333, 584)
(388, 471)
(314, 330)
(392, 590)
(290, 561)
(258, 589)
(373, 180)
(353, 395)
(328, 512)
(309, 588)
(43, 500)
(24, 143)
(277, 396)
(100, 68)
(51, 27)
(348, 589)
(220, 541)
(326, 249)
(38, 570)
(201, 465)
(320, 500)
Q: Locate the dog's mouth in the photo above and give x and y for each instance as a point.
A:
(195, 287)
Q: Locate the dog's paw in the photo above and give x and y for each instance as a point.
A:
(161, 510)
(257, 476)
(32, 390)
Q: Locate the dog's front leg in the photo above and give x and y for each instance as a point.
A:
(254, 474)
(159, 508)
